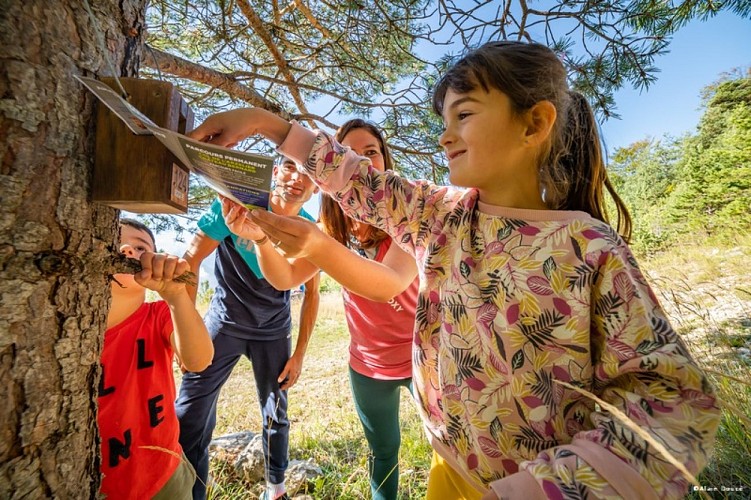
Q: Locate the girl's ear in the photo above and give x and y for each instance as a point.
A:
(540, 119)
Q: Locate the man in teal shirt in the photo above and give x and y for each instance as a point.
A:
(247, 316)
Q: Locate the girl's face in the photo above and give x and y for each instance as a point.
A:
(365, 144)
(484, 142)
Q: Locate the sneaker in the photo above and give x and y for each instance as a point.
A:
(265, 496)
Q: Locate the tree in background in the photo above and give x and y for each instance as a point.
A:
(714, 194)
(644, 175)
(698, 186)
(380, 58)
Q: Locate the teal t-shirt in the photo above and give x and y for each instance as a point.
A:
(244, 304)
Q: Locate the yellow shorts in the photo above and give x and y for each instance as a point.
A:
(444, 483)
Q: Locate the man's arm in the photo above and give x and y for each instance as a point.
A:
(308, 315)
(200, 248)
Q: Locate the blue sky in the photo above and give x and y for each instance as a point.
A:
(699, 53)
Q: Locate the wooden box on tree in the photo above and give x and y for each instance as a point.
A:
(138, 173)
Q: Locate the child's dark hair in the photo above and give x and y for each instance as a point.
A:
(140, 226)
(335, 223)
(572, 170)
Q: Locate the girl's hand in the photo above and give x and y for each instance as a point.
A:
(236, 218)
(229, 128)
(158, 272)
(292, 236)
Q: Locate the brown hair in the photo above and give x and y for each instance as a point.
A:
(571, 167)
(135, 224)
(335, 223)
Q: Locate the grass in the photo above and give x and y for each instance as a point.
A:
(324, 425)
(706, 292)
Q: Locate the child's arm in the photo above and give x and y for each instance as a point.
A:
(642, 368)
(308, 315)
(378, 281)
(281, 272)
(190, 339)
(405, 209)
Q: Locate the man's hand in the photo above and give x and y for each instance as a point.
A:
(236, 218)
(291, 372)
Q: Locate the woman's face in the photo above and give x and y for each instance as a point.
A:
(365, 144)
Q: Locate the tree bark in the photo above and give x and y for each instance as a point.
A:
(54, 303)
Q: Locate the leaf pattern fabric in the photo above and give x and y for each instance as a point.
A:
(512, 300)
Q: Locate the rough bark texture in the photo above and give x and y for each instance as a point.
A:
(54, 305)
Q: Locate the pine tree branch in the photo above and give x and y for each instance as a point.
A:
(177, 66)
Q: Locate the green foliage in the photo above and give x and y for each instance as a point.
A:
(329, 284)
(698, 186)
(204, 295)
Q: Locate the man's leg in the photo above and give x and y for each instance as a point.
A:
(196, 406)
(268, 359)
(377, 405)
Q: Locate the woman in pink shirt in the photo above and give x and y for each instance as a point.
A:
(380, 349)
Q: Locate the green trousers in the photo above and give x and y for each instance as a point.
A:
(377, 404)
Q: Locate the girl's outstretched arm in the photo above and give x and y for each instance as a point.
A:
(231, 127)
(402, 208)
(373, 280)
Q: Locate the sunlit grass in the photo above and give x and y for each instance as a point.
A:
(324, 423)
(705, 291)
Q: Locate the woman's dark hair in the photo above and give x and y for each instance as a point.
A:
(140, 226)
(335, 223)
(571, 166)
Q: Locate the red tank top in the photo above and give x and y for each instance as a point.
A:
(137, 421)
(381, 332)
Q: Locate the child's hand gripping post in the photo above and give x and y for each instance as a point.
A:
(162, 273)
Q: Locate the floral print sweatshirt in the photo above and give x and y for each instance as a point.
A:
(512, 301)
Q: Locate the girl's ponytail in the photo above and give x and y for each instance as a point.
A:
(575, 173)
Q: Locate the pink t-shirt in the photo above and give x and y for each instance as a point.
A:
(381, 332)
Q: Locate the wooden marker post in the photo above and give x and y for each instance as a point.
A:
(138, 173)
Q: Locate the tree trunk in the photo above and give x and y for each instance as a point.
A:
(54, 297)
